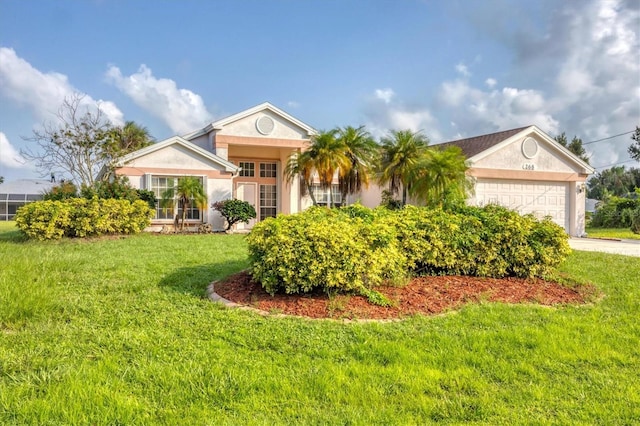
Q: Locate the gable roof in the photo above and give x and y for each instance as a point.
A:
(478, 147)
(219, 124)
(475, 145)
(177, 140)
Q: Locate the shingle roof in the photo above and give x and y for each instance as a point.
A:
(475, 145)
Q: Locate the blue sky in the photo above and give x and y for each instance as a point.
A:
(449, 68)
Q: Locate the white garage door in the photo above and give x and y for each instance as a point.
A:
(537, 197)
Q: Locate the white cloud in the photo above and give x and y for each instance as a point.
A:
(10, 156)
(491, 82)
(293, 104)
(383, 114)
(385, 95)
(181, 109)
(43, 93)
(463, 70)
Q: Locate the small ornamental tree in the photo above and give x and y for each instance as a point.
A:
(235, 211)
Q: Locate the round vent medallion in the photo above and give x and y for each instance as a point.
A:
(529, 147)
(265, 125)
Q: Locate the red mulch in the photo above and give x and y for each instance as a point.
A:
(425, 295)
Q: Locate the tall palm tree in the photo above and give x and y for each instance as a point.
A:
(122, 140)
(440, 176)
(361, 150)
(400, 152)
(188, 189)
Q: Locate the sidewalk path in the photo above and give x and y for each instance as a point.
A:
(626, 247)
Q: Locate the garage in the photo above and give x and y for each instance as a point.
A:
(539, 198)
(526, 170)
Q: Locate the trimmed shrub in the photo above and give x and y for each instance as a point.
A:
(324, 250)
(80, 217)
(235, 211)
(355, 248)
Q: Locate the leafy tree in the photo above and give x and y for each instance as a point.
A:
(189, 189)
(1, 179)
(361, 150)
(400, 152)
(575, 146)
(81, 142)
(235, 211)
(439, 177)
(65, 189)
(616, 181)
(74, 144)
(634, 148)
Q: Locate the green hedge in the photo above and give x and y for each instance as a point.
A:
(80, 217)
(355, 247)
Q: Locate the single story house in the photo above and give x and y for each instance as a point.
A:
(17, 193)
(243, 156)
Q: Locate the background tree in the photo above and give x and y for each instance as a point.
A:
(361, 150)
(575, 146)
(81, 142)
(634, 148)
(123, 140)
(616, 181)
(1, 179)
(189, 189)
(74, 144)
(401, 150)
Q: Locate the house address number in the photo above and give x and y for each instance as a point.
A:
(528, 166)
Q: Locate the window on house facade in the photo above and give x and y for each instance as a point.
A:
(322, 195)
(159, 184)
(267, 170)
(268, 201)
(248, 168)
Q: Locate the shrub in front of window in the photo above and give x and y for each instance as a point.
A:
(80, 217)
(235, 211)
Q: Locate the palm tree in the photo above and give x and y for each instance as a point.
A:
(123, 140)
(188, 189)
(400, 152)
(440, 176)
(325, 157)
(300, 164)
(361, 150)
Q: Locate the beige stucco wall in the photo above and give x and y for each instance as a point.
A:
(246, 126)
(511, 157)
(174, 157)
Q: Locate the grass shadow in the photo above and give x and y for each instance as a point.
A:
(193, 280)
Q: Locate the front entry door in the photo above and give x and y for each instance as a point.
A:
(247, 191)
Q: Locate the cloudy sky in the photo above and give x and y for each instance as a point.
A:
(451, 68)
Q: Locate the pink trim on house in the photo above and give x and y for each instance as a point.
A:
(269, 142)
(526, 175)
(137, 171)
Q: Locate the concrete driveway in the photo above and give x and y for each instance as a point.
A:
(626, 247)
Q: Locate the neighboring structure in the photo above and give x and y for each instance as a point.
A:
(17, 193)
(243, 156)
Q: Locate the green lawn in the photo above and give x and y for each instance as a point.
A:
(116, 331)
(620, 233)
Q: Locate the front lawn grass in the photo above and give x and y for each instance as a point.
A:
(619, 233)
(116, 331)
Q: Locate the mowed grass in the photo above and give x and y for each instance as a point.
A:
(117, 331)
(619, 233)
